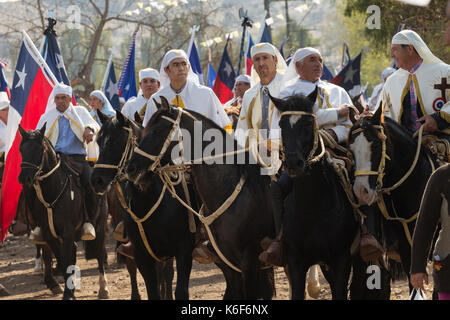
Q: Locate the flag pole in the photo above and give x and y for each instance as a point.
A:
(38, 56)
(246, 22)
(192, 31)
(108, 66)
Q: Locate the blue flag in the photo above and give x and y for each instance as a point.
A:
(326, 74)
(53, 56)
(194, 60)
(127, 81)
(211, 76)
(349, 78)
(266, 37)
(111, 88)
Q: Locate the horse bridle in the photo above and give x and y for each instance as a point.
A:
(317, 137)
(381, 168)
(40, 168)
(126, 156)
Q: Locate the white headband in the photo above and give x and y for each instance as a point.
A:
(409, 37)
(4, 101)
(265, 47)
(168, 57)
(243, 78)
(291, 73)
(61, 88)
(148, 73)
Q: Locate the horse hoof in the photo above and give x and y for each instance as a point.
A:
(103, 294)
(56, 290)
(313, 289)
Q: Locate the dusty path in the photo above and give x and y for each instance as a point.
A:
(207, 282)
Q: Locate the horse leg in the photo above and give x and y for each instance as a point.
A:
(297, 272)
(147, 268)
(313, 284)
(233, 280)
(184, 267)
(131, 267)
(250, 273)
(166, 279)
(342, 273)
(49, 280)
(69, 266)
(38, 259)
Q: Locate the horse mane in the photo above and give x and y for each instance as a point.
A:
(299, 102)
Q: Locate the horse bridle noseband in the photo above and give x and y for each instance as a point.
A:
(317, 136)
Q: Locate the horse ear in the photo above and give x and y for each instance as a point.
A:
(280, 104)
(103, 117)
(157, 104)
(136, 127)
(138, 118)
(165, 104)
(378, 116)
(42, 131)
(120, 117)
(313, 95)
(23, 132)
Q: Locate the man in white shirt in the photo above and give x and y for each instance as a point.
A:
(149, 84)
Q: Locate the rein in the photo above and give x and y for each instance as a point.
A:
(380, 174)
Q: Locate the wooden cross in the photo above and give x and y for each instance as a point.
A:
(443, 86)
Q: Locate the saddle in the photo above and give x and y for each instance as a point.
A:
(71, 165)
(439, 147)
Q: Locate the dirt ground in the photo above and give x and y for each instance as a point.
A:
(206, 283)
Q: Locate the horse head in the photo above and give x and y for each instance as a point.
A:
(157, 142)
(298, 130)
(116, 141)
(32, 150)
(367, 142)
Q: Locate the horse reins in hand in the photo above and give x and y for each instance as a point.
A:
(380, 174)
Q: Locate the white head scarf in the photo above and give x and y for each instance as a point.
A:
(59, 88)
(410, 37)
(265, 47)
(148, 73)
(4, 101)
(386, 73)
(107, 107)
(291, 74)
(168, 57)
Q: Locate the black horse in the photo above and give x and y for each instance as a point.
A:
(64, 195)
(319, 221)
(241, 227)
(368, 137)
(166, 231)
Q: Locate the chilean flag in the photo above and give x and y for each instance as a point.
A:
(30, 91)
(111, 87)
(223, 86)
(349, 77)
(194, 60)
(248, 56)
(3, 84)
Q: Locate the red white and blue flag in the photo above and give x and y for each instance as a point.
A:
(248, 56)
(349, 78)
(194, 60)
(3, 84)
(29, 95)
(223, 86)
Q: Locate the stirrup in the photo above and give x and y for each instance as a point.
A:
(118, 233)
(88, 232)
(36, 236)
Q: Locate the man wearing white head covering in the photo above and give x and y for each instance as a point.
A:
(375, 98)
(149, 83)
(179, 85)
(419, 91)
(233, 107)
(257, 109)
(68, 127)
(331, 108)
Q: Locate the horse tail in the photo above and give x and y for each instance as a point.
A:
(396, 270)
